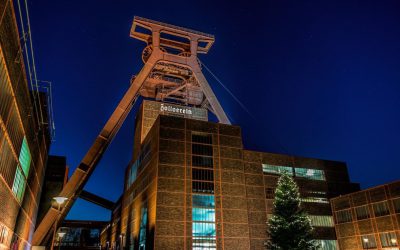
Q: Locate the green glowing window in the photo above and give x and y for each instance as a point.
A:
(19, 184)
(25, 157)
(327, 244)
(313, 174)
(321, 220)
(272, 169)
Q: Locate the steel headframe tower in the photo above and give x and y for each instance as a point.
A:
(171, 72)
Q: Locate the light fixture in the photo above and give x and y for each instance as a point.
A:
(394, 241)
(61, 234)
(60, 200)
(365, 240)
(310, 172)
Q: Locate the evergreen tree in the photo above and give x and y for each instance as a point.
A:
(289, 226)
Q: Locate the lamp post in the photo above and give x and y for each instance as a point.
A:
(59, 200)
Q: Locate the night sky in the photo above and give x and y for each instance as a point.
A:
(321, 79)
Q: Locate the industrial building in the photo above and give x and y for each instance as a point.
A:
(25, 136)
(192, 185)
(368, 219)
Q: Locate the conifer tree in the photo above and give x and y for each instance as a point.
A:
(289, 226)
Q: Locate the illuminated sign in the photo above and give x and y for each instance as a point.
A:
(170, 108)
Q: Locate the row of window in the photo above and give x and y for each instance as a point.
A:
(22, 171)
(270, 194)
(321, 220)
(203, 202)
(327, 244)
(137, 165)
(387, 240)
(363, 212)
(313, 174)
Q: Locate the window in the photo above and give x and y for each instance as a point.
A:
(202, 174)
(327, 244)
(199, 149)
(202, 161)
(203, 225)
(203, 187)
(202, 138)
(25, 157)
(381, 209)
(343, 216)
(321, 220)
(315, 200)
(313, 174)
(19, 184)
(270, 193)
(272, 169)
(143, 228)
(388, 239)
(396, 205)
(3, 235)
(362, 212)
(368, 241)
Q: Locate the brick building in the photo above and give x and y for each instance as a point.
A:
(191, 185)
(24, 139)
(368, 219)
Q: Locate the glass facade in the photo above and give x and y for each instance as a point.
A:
(312, 174)
(143, 228)
(19, 184)
(138, 165)
(272, 169)
(321, 220)
(203, 202)
(25, 157)
(315, 200)
(327, 244)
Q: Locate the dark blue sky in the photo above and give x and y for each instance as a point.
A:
(320, 78)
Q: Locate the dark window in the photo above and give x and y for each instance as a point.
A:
(343, 216)
(396, 204)
(270, 193)
(362, 212)
(202, 161)
(199, 149)
(202, 138)
(203, 187)
(381, 209)
(202, 174)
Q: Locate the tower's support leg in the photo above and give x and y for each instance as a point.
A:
(212, 99)
(81, 175)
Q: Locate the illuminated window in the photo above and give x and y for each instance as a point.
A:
(315, 200)
(203, 225)
(19, 184)
(321, 220)
(381, 209)
(327, 244)
(388, 239)
(143, 228)
(3, 234)
(368, 241)
(272, 169)
(362, 212)
(25, 157)
(343, 216)
(313, 174)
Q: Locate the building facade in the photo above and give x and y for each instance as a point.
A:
(55, 178)
(191, 185)
(369, 219)
(24, 139)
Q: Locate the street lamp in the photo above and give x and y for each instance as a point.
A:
(59, 200)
